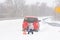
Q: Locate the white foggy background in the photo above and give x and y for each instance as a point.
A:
(11, 9)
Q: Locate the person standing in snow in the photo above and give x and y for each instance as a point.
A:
(30, 28)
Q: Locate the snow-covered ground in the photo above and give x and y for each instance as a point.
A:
(12, 30)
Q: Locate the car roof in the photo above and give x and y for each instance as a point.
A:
(30, 17)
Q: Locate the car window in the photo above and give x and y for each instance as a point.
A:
(30, 19)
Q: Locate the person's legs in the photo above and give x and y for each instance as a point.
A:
(31, 31)
(28, 31)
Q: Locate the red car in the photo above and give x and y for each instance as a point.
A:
(30, 19)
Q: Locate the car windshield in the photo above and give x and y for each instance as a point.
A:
(31, 19)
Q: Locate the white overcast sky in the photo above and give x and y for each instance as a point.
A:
(50, 3)
(2, 1)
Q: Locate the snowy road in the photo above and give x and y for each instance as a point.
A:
(12, 30)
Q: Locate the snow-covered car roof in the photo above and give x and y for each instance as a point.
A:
(30, 16)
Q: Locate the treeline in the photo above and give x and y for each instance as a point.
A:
(17, 9)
